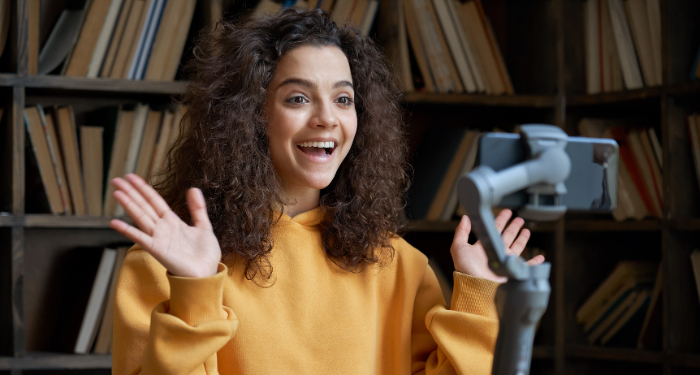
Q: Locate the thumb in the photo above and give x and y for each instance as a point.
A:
(463, 230)
(198, 209)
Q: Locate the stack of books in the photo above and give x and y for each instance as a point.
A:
(96, 329)
(359, 13)
(625, 310)
(623, 44)
(71, 178)
(445, 154)
(129, 39)
(640, 180)
(454, 47)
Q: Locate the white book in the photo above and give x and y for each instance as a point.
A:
(134, 145)
(98, 54)
(592, 35)
(142, 39)
(631, 73)
(94, 306)
(454, 44)
(145, 52)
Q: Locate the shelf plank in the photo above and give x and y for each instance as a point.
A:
(53, 221)
(94, 84)
(545, 227)
(632, 355)
(534, 101)
(685, 225)
(8, 220)
(38, 361)
(615, 97)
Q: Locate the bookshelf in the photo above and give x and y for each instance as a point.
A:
(549, 89)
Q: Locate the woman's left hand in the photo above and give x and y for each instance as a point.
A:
(472, 259)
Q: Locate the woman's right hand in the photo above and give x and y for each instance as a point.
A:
(188, 251)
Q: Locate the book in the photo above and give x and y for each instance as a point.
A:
(592, 41)
(640, 27)
(119, 68)
(650, 333)
(172, 62)
(67, 132)
(61, 40)
(33, 20)
(652, 186)
(143, 49)
(627, 157)
(164, 39)
(612, 284)
(5, 10)
(611, 66)
(450, 177)
(654, 14)
(79, 61)
(103, 39)
(599, 330)
(162, 146)
(150, 134)
(631, 317)
(652, 162)
(467, 45)
(391, 34)
(122, 136)
(88, 327)
(495, 50)
(91, 151)
(695, 263)
(455, 44)
(657, 147)
(629, 285)
(116, 39)
(368, 17)
(134, 145)
(139, 38)
(467, 165)
(625, 46)
(103, 342)
(432, 161)
(47, 119)
(40, 147)
(477, 30)
(419, 48)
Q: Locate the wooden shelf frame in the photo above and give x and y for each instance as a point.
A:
(678, 223)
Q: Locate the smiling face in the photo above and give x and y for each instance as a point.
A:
(311, 117)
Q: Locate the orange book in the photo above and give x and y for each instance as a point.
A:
(620, 135)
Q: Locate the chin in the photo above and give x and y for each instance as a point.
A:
(319, 182)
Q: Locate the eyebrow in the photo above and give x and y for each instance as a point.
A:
(312, 85)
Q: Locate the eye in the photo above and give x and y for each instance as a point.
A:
(346, 101)
(297, 100)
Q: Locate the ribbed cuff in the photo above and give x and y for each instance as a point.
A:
(474, 295)
(198, 300)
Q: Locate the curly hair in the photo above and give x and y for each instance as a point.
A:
(223, 148)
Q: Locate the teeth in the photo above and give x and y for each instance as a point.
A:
(318, 144)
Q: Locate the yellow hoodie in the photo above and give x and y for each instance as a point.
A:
(315, 319)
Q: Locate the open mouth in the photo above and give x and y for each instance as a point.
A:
(318, 149)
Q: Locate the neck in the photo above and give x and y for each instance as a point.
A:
(301, 199)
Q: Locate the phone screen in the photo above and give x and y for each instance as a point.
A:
(592, 183)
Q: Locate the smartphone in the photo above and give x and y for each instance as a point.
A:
(592, 183)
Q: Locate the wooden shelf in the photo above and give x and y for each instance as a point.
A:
(53, 82)
(55, 221)
(615, 97)
(38, 361)
(545, 227)
(688, 225)
(530, 101)
(632, 355)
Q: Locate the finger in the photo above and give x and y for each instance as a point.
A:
(463, 229)
(512, 231)
(519, 245)
(502, 219)
(135, 196)
(535, 261)
(198, 209)
(158, 203)
(141, 218)
(132, 233)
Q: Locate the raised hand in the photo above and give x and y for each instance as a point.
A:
(189, 251)
(472, 259)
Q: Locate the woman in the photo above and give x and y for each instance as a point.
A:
(291, 264)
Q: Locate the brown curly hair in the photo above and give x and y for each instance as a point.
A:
(223, 144)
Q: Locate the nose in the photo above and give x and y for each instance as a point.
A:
(324, 116)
